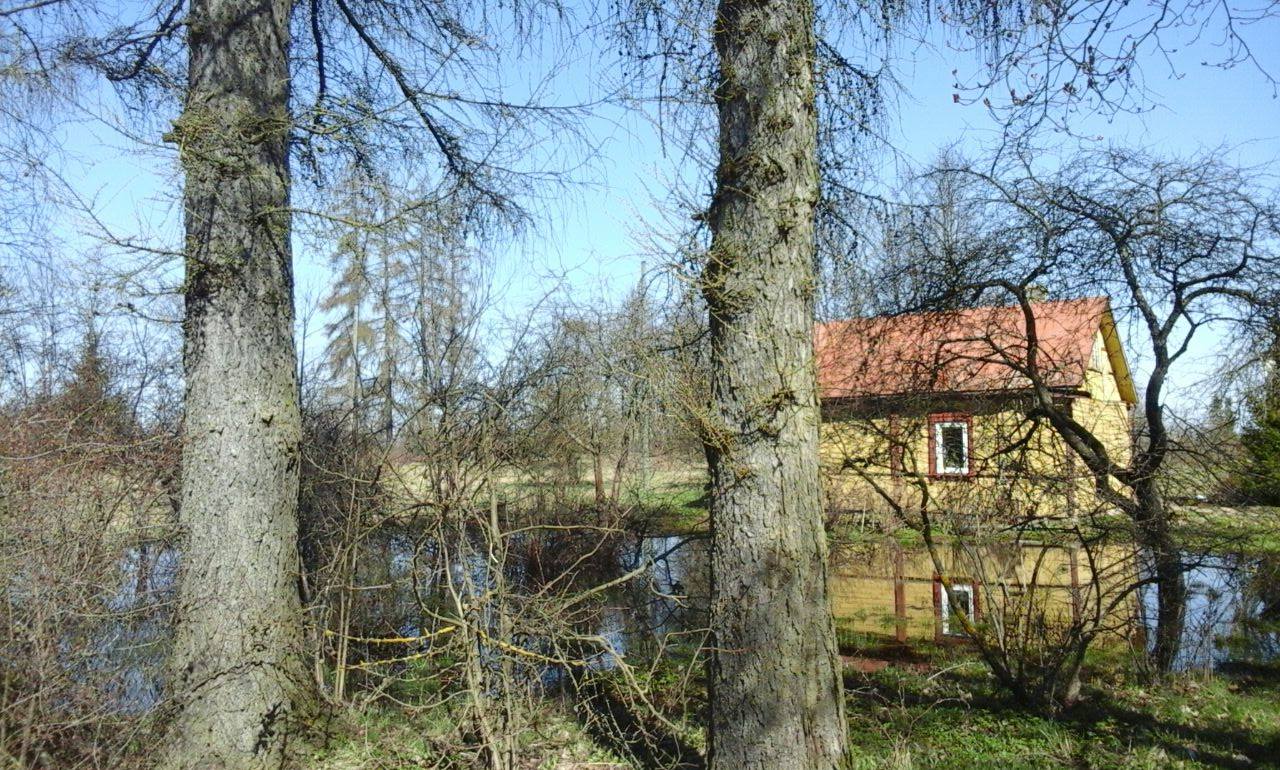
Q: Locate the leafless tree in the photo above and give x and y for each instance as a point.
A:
(88, 477)
(1185, 248)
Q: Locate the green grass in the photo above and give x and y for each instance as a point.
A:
(903, 718)
(669, 501)
(1249, 529)
(846, 533)
(676, 507)
(935, 708)
(390, 738)
(1203, 528)
(378, 737)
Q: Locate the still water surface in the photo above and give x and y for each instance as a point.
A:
(1232, 615)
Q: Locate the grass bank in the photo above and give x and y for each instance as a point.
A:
(948, 714)
(931, 709)
(389, 737)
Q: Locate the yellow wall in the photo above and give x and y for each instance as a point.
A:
(1007, 578)
(1099, 378)
(1019, 467)
(1104, 412)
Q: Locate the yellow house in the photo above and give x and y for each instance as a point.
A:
(932, 414)
(934, 411)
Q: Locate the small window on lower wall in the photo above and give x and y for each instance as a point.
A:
(962, 594)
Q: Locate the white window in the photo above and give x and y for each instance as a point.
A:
(951, 448)
(962, 594)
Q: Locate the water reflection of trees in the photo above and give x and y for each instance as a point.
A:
(1256, 637)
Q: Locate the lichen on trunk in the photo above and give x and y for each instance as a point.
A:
(775, 688)
(240, 691)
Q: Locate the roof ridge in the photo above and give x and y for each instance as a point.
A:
(917, 313)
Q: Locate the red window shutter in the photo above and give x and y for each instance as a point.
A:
(895, 446)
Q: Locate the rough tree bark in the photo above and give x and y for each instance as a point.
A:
(1167, 573)
(1152, 516)
(775, 689)
(239, 683)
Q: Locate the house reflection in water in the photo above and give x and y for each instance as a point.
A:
(896, 592)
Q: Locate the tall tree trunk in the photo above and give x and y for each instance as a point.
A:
(1167, 575)
(239, 682)
(1171, 606)
(620, 467)
(385, 366)
(775, 687)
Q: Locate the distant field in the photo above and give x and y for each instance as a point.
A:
(671, 496)
(676, 496)
(1247, 529)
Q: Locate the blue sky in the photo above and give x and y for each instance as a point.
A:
(592, 236)
(1193, 107)
(591, 239)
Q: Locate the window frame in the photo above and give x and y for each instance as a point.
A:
(937, 422)
(944, 607)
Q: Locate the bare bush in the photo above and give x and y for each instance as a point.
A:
(87, 510)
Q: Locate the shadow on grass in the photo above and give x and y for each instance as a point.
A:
(1215, 745)
(642, 739)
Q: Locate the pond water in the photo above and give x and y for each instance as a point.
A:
(1232, 612)
(131, 649)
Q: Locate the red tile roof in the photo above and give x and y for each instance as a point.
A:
(961, 351)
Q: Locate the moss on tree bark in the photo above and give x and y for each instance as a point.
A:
(241, 694)
(775, 686)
